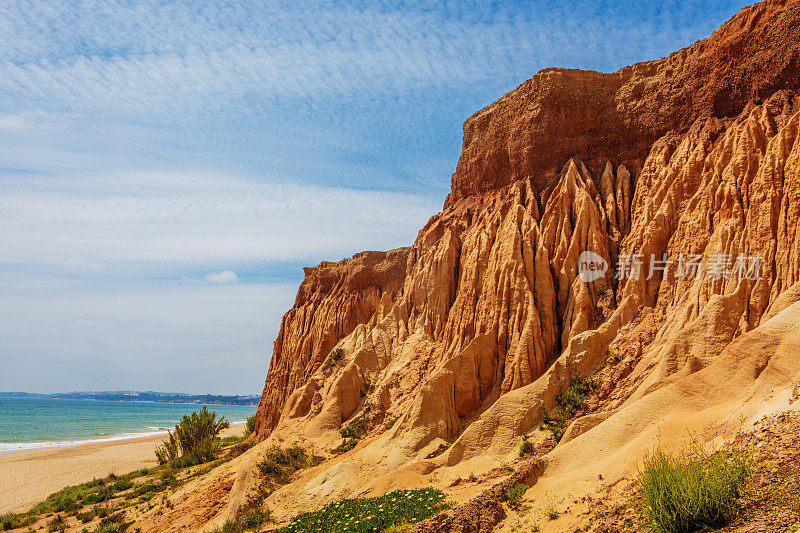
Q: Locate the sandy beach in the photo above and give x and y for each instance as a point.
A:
(28, 477)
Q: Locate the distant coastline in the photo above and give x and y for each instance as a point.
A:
(141, 396)
(43, 421)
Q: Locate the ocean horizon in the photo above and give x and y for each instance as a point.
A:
(34, 423)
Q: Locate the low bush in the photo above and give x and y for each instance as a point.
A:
(440, 450)
(279, 464)
(121, 485)
(114, 523)
(57, 523)
(336, 355)
(567, 405)
(167, 451)
(250, 521)
(371, 514)
(526, 448)
(345, 446)
(692, 491)
(14, 521)
(251, 424)
(391, 423)
(354, 430)
(514, 494)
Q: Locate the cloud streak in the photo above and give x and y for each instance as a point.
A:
(226, 276)
(145, 223)
(148, 57)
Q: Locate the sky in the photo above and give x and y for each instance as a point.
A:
(168, 167)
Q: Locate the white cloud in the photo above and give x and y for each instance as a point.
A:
(12, 122)
(226, 276)
(142, 223)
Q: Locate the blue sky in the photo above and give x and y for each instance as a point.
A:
(167, 168)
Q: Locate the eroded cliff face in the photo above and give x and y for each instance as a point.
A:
(332, 300)
(690, 154)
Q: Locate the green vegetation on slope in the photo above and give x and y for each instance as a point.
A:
(106, 499)
(567, 405)
(371, 514)
(279, 464)
(692, 491)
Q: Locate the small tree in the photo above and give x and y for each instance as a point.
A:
(198, 429)
(193, 438)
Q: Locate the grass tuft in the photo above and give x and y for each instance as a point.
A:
(279, 464)
(251, 521)
(691, 491)
(389, 424)
(526, 448)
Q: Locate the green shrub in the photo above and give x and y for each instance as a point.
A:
(168, 450)
(13, 521)
(202, 453)
(251, 424)
(567, 405)
(552, 513)
(440, 450)
(355, 430)
(114, 523)
(121, 485)
(526, 448)
(58, 523)
(336, 355)
(198, 429)
(251, 521)
(193, 440)
(371, 514)
(86, 516)
(691, 491)
(279, 464)
(603, 291)
(391, 423)
(345, 446)
(514, 494)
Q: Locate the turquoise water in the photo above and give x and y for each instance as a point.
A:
(31, 423)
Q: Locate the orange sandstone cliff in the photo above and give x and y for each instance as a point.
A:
(687, 154)
(466, 336)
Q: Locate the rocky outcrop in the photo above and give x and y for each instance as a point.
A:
(688, 162)
(531, 132)
(332, 300)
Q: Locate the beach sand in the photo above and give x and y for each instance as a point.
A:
(28, 477)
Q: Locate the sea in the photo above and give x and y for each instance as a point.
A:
(31, 423)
